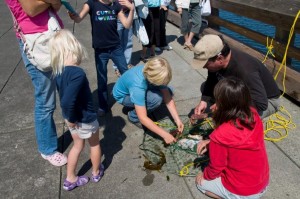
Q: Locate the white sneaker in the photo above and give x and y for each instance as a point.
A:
(167, 47)
(157, 49)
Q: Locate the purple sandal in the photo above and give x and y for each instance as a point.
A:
(98, 177)
(81, 180)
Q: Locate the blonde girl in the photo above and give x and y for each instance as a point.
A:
(76, 104)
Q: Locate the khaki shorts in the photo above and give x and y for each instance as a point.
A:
(85, 130)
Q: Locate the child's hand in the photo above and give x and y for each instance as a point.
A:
(202, 147)
(127, 4)
(169, 139)
(180, 126)
(199, 178)
(179, 10)
(164, 8)
(213, 108)
(71, 125)
(73, 16)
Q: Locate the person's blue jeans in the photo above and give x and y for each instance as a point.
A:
(153, 101)
(102, 57)
(44, 96)
(125, 36)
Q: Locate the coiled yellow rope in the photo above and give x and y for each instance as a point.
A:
(278, 123)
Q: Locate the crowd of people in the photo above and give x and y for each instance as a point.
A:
(239, 91)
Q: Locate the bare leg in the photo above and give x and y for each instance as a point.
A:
(212, 195)
(73, 157)
(95, 152)
(189, 39)
(186, 38)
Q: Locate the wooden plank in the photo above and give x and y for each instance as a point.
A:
(292, 81)
(260, 38)
(255, 10)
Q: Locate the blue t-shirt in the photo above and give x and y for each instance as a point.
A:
(133, 83)
(75, 95)
(153, 3)
(104, 23)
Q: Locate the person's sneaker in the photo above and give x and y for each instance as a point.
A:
(98, 177)
(157, 49)
(101, 112)
(137, 124)
(167, 47)
(117, 72)
(81, 180)
(57, 159)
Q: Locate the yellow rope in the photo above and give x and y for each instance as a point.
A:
(279, 124)
(270, 49)
(206, 120)
(283, 63)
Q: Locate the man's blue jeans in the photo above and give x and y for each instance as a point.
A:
(44, 96)
(125, 36)
(153, 101)
(102, 57)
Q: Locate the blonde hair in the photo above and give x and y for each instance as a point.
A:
(158, 71)
(65, 49)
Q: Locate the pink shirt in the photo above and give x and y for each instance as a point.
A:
(30, 25)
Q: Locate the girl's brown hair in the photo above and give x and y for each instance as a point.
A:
(233, 103)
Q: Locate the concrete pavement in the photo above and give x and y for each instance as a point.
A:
(24, 174)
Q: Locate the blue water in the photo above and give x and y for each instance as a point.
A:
(258, 26)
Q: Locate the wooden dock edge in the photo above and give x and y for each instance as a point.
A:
(292, 77)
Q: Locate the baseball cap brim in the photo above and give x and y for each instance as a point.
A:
(198, 64)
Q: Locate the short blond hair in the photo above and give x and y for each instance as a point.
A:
(64, 47)
(158, 71)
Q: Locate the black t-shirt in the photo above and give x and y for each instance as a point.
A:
(104, 23)
(256, 76)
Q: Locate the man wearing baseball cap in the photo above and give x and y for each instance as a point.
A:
(214, 54)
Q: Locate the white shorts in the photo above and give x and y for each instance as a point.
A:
(215, 186)
(85, 130)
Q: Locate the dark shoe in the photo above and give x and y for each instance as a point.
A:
(137, 124)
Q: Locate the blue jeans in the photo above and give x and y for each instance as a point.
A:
(125, 36)
(102, 57)
(44, 96)
(153, 101)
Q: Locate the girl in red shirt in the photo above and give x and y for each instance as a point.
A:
(238, 166)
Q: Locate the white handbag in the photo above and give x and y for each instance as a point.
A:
(139, 31)
(205, 8)
(36, 45)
